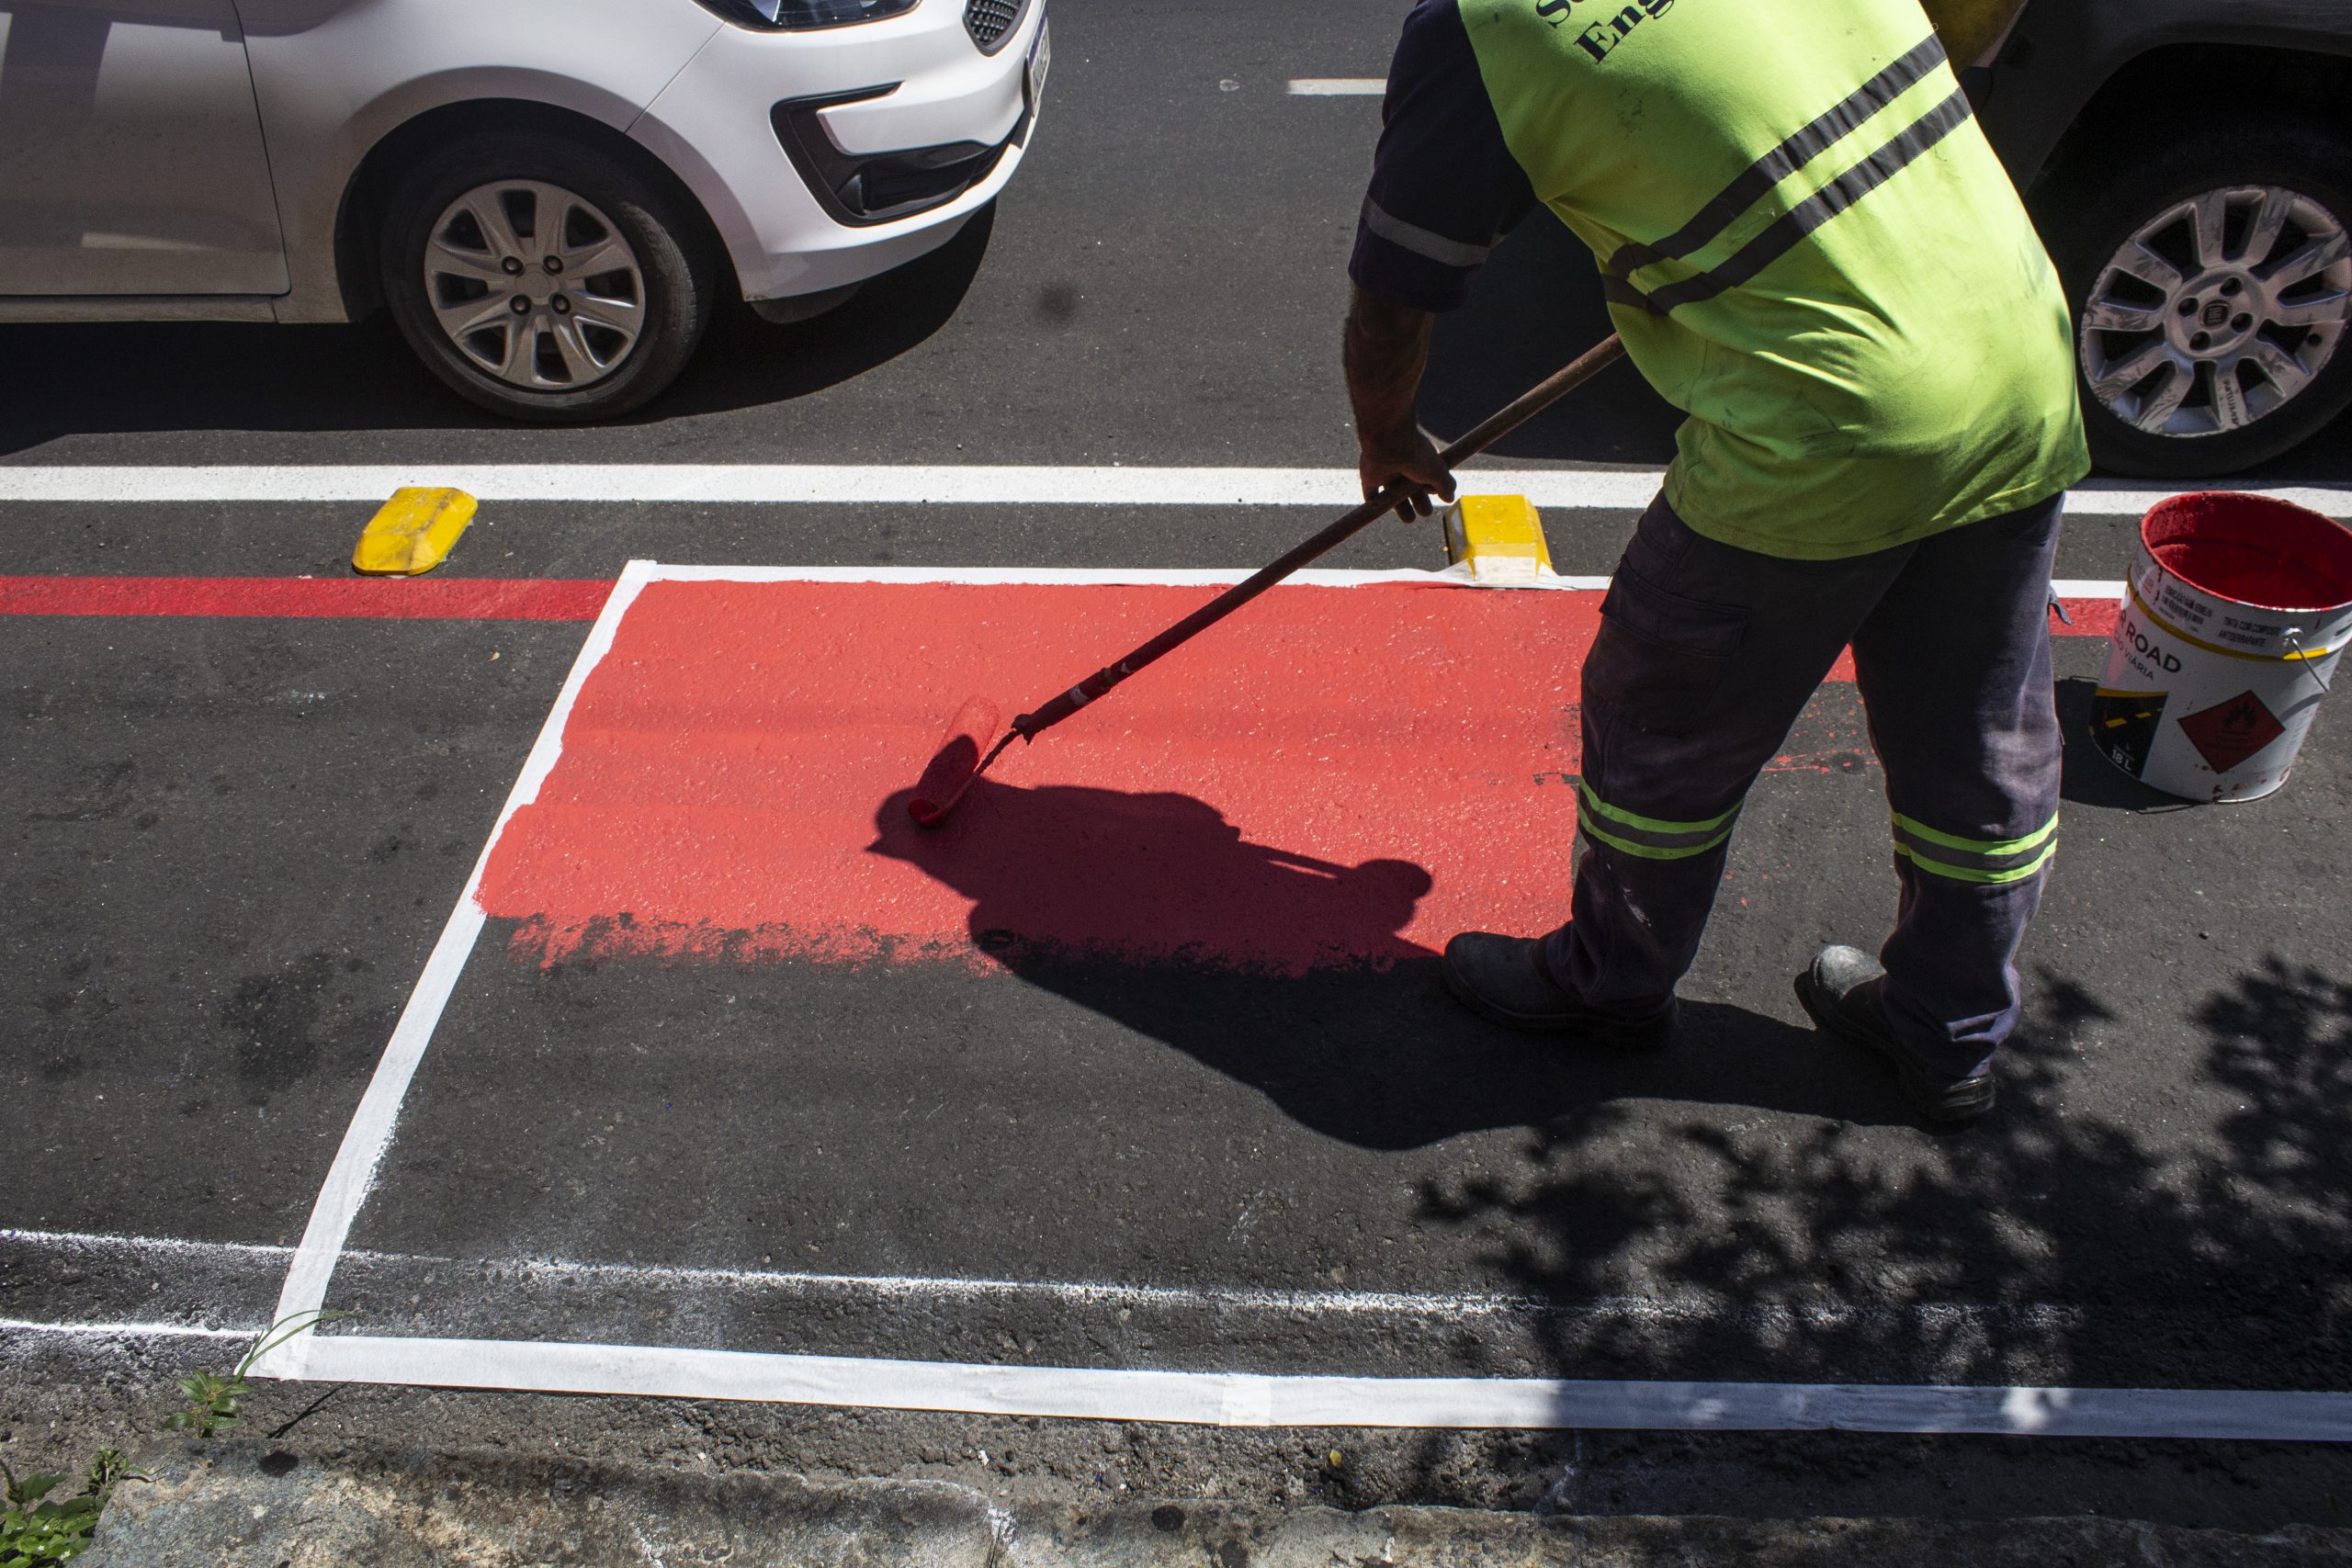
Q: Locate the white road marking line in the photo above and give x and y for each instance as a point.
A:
(1256, 1400)
(108, 1242)
(1337, 86)
(1098, 576)
(1614, 490)
(1181, 577)
(125, 1330)
(1698, 1309)
(353, 1173)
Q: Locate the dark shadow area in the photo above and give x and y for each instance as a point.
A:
(212, 376)
(2097, 1242)
(1289, 975)
(1534, 306)
(2089, 779)
(2116, 1257)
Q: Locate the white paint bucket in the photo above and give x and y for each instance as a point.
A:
(2237, 609)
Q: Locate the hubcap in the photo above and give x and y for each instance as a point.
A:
(534, 285)
(2219, 312)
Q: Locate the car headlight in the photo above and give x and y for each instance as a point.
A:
(794, 14)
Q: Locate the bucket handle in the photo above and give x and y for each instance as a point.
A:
(2294, 635)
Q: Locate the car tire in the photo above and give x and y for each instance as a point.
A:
(543, 277)
(2123, 320)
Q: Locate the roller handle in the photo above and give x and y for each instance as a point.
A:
(1529, 403)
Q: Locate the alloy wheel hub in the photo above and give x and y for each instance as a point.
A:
(2218, 311)
(534, 285)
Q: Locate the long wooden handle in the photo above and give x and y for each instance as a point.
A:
(1526, 406)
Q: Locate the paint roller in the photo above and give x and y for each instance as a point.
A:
(963, 752)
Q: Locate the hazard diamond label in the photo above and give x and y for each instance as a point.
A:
(2229, 732)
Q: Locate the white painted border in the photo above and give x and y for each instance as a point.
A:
(1176, 577)
(1243, 1399)
(1614, 490)
(123, 1330)
(1192, 1397)
(1098, 576)
(353, 1173)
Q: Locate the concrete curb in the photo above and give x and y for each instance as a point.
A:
(246, 1504)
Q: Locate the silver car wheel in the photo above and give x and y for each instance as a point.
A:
(2219, 312)
(534, 285)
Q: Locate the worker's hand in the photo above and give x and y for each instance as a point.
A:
(1384, 350)
(1404, 454)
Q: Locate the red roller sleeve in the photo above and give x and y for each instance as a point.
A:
(956, 763)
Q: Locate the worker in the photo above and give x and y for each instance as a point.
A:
(1810, 250)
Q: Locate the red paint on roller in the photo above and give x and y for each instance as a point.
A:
(956, 763)
(1339, 775)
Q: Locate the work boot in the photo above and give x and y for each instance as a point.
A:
(1841, 991)
(1504, 978)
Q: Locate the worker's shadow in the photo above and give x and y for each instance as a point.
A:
(1290, 974)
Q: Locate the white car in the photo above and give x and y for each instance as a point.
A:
(544, 192)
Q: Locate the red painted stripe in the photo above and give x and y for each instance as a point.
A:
(386, 598)
(1341, 774)
(488, 599)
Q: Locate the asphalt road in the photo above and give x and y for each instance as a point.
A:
(236, 841)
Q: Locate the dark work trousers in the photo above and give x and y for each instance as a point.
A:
(1706, 655)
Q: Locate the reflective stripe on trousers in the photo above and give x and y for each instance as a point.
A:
(1707, 655)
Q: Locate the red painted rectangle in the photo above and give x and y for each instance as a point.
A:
(1340, 774)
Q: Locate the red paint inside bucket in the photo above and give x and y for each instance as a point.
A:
(2253, 549)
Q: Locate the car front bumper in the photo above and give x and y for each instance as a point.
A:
(723, 125)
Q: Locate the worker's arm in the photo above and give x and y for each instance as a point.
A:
(1386, 348)
(1443, 189)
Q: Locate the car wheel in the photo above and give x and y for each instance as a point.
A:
(2211, 284)
(542, 277)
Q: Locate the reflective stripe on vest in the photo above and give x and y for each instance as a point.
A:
(1784, 232)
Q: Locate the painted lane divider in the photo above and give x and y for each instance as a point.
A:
(2091, 602)
(1339, 86)
(297, 598)
(1608, 489)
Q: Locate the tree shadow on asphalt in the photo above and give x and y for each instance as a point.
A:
(2081, 1245)
(2093, 1253)
(102, 377)
(1289, 975)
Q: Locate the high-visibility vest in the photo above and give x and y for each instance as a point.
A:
(1808, 247)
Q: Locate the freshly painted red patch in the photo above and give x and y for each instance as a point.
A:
(1341, 774)
(390, 598)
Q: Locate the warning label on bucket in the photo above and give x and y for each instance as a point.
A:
(2124, 726)
(2229, 732)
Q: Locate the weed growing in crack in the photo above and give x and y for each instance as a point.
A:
(213, 1400)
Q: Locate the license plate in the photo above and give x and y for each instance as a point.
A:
(1041, 59)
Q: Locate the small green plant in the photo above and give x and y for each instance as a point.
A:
(212, 1399)
(38, 1533)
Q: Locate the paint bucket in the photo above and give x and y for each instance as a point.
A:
(2229, 630)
